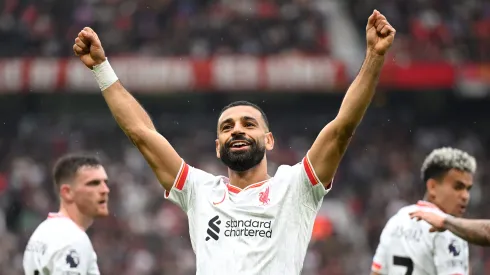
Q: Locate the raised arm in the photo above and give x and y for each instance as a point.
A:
(331, 144)
(128, 113)
(473, 231)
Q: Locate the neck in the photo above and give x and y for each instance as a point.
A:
(70, 211)
(427, 198)
(251, 176)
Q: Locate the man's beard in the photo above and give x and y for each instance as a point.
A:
(241, 161)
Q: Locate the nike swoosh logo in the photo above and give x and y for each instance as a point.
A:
(224, 196)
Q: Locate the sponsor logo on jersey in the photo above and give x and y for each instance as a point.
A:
(239, 228)
(248, 228)
(213, 229)
(454, 248)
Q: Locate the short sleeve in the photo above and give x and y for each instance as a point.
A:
(94, 267)
(184, 188)
(380, 259)
(451, 255)
(77, 258)
(308, 185)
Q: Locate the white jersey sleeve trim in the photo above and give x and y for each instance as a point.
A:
(180, 179)
(310, 173)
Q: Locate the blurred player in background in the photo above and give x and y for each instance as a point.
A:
(248, 222)
(60, 245)
(474, 231)
(406, 246)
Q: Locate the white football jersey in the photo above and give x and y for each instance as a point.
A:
(408, 248)
(262, 229)
(59, 247)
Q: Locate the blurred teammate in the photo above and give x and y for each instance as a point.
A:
(474, 231)
(59, 245)
(406, 246)
(249, 222)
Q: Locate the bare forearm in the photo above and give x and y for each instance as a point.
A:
(128, 113)
(330, 145)
(361, 92)
(137, 125)
(474, 231)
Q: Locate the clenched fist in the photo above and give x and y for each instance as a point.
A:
(88, 48)
(379, 33)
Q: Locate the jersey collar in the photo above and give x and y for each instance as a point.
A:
(52, 215)
(427, 204)
(236, 190)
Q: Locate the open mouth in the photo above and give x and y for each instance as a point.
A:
(102, 202)
(239, 144)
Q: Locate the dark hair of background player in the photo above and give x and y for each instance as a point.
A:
(66, 167)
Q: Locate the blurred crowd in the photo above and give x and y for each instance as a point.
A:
(427, 29)
(147, 235)
(433, 29)
(197, 28)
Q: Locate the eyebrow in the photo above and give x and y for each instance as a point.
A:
(461, 183)
(249, 118)
(230, 120)
(97, 181)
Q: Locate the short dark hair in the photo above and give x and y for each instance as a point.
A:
(67, 166)
(247, 103)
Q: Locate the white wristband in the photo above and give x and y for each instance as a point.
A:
(104, 75)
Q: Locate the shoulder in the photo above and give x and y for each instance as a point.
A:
(301, 171)
(407, 209)
(286, 175)
(302, 178)
(188, 172)
(202, 179)
(287, 171)
(62, 232)
(59, 225)
(402, 214)
(402, 219)
(190, 175)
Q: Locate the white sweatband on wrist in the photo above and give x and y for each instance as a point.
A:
(104, 75)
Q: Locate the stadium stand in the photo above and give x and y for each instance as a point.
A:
(164, 28)
(433, 29)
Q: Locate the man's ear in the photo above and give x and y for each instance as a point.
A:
(217, 149)
(66, 192)
(431, 186)
(269, 141)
